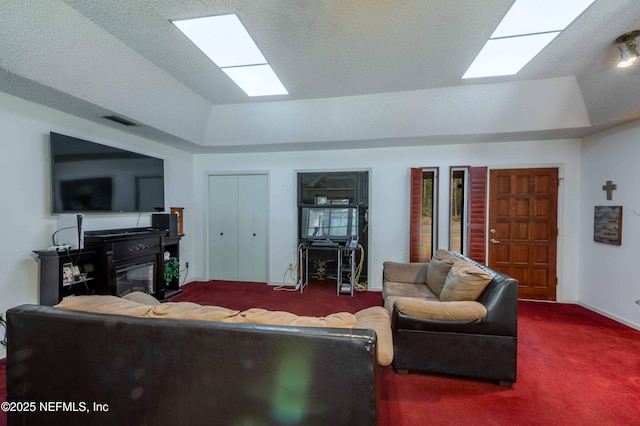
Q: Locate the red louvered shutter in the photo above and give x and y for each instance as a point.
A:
(415, 215)
(477, 213)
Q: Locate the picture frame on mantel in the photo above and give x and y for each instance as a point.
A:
(178, 211)
(607, 225)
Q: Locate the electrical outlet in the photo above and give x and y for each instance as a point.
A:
(291, 266)
(186, 264)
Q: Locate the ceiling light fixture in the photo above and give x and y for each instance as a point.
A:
(228, 44)
(627, 45)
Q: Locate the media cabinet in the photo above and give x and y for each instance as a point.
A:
(114, 262)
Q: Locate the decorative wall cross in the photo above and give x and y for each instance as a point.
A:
(609, 187)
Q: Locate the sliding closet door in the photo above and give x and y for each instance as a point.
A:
(238, 207)
(252, 228)
(223, 228)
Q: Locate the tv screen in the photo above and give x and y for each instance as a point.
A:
(90, 177)
(332, 223)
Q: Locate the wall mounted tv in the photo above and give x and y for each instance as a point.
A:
(93, 178)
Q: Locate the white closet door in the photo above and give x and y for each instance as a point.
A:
(223, 228)
(252, 227)
(238, 243)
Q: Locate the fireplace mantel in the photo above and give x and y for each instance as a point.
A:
(131, 246)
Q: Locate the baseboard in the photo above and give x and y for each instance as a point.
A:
(610, 315)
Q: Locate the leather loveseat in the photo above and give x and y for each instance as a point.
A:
(452, 316)
(143, 367)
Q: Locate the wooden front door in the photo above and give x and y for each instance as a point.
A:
(523, 231)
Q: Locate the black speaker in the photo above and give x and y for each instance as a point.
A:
(165, 222)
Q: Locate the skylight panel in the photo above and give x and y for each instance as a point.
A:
(539, 16)
(257, 80)
(228, 44)
(507, 56)
(527, 28)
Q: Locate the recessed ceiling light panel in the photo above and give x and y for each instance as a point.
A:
(223, 39)
(507, 56)
(539, 16)
(228, 44)
(527, 28)
(256, 80)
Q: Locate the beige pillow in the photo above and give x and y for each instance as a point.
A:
(439, 267)
(404, 272)
(464, 282)
(263, 316)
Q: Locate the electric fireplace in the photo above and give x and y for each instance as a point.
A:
(136, 277)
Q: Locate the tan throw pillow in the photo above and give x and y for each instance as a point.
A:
(439, 267)
(464, 282)
(404, 272)
(263, 316)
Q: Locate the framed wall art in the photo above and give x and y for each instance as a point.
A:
(607, 225)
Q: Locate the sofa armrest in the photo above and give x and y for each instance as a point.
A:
(378, 319)
(414, 273)
(501, 300)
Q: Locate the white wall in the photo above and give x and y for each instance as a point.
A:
(24, 173)
(608, 274)
(389, 201)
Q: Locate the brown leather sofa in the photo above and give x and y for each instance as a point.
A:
(105, 369)
(471, 338)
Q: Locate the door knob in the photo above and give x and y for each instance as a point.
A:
(494, 241)
(492, 230)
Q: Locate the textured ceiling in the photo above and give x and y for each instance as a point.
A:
(339, 59)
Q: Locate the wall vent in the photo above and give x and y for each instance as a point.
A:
(119, 120)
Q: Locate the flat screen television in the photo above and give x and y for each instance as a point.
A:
(87, 177)
(328, 223)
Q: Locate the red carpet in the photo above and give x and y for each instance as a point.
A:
(319, 299)
(575, 367)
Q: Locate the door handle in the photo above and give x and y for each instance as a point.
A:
(494, 241)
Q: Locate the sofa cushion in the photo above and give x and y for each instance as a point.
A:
(105, 305)
(193, 311)
(405, 272)
(439, 267)
(421, 291)
(263, 316)
(465, 281)
(448, 311)
(377, 318)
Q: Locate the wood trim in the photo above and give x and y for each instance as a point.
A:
(415, 215)
(477, 214)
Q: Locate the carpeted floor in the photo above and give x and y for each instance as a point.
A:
(575, 367)
(318, 299)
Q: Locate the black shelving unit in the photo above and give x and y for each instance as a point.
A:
(53, 286)
(342, 199)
